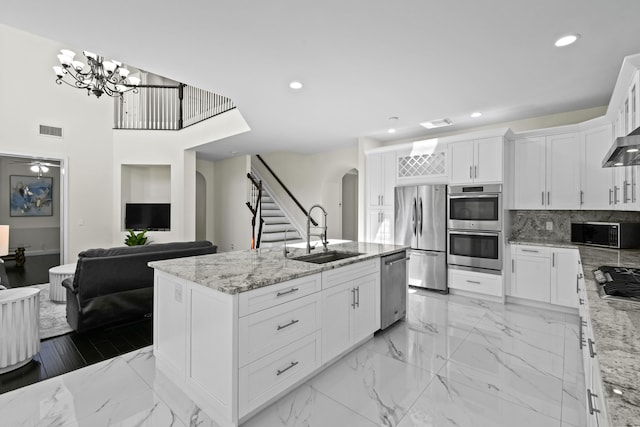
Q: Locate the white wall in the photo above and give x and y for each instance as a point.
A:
(316, 179)
(206, 169)
(31, 97)
(232, 218)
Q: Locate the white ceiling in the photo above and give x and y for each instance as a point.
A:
(361, 61)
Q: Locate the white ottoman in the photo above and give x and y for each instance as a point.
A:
(19, 327)
(57, 293)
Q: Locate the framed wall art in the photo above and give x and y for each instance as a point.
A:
(31, 196)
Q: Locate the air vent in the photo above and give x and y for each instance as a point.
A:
(50, 131)
(439, 123)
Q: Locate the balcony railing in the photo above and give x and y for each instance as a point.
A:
(167, 107)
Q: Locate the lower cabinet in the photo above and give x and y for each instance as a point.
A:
(348, 315)
(594, 390)
(484, 283)
(544, 274)
(233, 353)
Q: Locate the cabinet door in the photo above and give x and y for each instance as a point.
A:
(563, 171)
(488, 160)
(364, 312)
(596, 180)
(564, 270)
(625, 182)
(461, 162)
(531, 278)
(336, 320)
(388, 178)
(530, 174)
(375, 172)
(375, 226)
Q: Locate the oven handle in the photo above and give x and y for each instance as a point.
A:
(474, 195)
(476, 233)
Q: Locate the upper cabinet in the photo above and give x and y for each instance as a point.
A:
(381, 178)
(477, 161)
(547, 172)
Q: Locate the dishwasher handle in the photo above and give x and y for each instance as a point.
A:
(396, 260)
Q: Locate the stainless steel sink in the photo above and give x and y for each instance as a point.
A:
(324, 257)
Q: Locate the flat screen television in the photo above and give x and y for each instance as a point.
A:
(149, 216)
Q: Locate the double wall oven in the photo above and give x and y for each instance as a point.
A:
(474, 227)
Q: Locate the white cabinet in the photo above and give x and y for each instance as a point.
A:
(471, 281)
(547, 172)
(381, 181)
(597, 182)
(530, 273)
(381, 178)
(544, 274)
(349, 307)
(380, 226)
(476, 161)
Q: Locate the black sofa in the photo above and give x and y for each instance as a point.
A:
(113, 286)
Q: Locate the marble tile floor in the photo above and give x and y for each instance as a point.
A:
(454, 362)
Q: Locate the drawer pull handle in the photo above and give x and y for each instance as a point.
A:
(592, 407)
(293, 322)
(591, 352)
(473, 281)
(290, 291)
(530, 250)
(581, 301)
(280, 372)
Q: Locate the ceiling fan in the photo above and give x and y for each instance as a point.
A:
(38, 167)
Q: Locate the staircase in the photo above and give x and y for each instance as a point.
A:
(275, 224)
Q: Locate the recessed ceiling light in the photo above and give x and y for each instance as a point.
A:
(567, 40)
(476, 114)
(233, 152)
(632, 150)
(391, 130)
(436, 123)
(295, 85)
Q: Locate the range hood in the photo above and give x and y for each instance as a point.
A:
(625, 151)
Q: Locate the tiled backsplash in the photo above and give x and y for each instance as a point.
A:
(532, 225)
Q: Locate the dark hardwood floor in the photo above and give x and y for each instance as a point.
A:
(34, 271)
(69, 352)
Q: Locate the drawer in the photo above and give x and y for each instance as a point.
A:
(266, 377)
(331, 278)
(270, 296)
(266, 331)
(526, 250)
(489, 284)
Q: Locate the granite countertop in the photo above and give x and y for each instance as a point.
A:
(235, 272)
(616, 329)
(547, 243)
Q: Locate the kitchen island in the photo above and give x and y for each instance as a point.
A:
(238, 330)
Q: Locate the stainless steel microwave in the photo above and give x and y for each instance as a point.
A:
(619, 235)
(475, 207)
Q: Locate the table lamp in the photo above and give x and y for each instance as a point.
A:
(4, 240)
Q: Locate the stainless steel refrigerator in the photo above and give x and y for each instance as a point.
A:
(421, 223)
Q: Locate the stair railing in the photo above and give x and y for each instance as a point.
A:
(286, 190)
(158, 107)
(255, 207)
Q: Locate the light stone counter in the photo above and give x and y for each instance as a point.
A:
(616, 327)
(234, 272)
(546, 243)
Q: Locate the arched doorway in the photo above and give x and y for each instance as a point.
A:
(201, 207)
(350, 205)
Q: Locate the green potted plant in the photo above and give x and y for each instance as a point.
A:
(134, 239)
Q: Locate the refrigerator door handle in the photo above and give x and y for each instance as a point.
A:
(421, 215)
(414, 220)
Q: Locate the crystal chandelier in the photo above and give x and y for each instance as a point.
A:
(97, 77)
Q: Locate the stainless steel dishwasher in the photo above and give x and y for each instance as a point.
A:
(393, 288)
